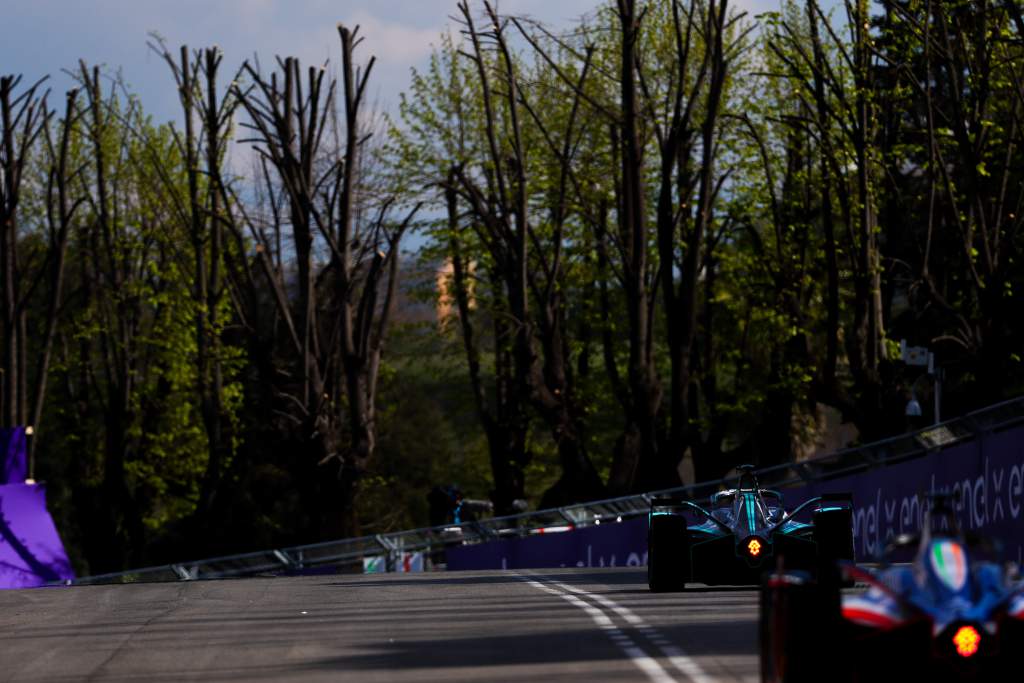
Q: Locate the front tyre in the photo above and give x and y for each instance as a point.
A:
(668, 553)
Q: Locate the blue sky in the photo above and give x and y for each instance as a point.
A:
(40, 37)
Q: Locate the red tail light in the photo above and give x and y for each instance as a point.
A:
(754, 547)
(966, 641)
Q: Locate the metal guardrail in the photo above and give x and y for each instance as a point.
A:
(347, 555)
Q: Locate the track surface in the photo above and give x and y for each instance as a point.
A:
(540, 625)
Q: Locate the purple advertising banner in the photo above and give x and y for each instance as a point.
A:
(986, 477)
(13, 463)
(31, 552)
(621, 544)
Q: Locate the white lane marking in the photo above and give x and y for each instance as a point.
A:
(599, 617)
(683, 663)
(648, 665)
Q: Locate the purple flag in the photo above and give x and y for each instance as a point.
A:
(13, 463)
(31, 552)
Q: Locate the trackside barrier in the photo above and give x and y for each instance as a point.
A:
(985, 476)
(478, 544)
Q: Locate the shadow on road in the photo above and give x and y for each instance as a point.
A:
(438, 579)
(547, 647)
(695, 590)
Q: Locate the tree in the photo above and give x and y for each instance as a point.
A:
(204, 211)
(836, 79)
(336, 322)
(25, 119)
(952, 162)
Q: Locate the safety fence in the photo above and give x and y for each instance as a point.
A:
(427, 547)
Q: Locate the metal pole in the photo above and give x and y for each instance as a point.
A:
(30, 451)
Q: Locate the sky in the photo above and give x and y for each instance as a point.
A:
(44, 37)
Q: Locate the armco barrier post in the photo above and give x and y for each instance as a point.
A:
(390, 550)
(285, 560)
(186, 573)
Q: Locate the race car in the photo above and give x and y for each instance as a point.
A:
(742, 535)
(955, 613)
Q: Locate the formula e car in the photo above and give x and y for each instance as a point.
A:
(953, 614)
(741, 536)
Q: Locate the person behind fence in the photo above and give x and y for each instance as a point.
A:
(445, 503)
(448, 505)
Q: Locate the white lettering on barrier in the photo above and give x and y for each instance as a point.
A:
(994, 496)
(1016, 486)
(910, 514)
(890, 519)
(997, 486)
(979, 519)
(632, 560)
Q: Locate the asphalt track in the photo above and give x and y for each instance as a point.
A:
(541, 625)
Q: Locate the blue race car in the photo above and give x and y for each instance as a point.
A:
(742, 535)
(952, 614)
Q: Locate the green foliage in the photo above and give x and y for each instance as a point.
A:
(915, 146)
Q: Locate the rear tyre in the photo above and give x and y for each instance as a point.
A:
(1005, 666)
(800, 631)
(668, 553)
(833, 536)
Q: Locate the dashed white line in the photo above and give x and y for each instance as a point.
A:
(650, 666)
(683, 663)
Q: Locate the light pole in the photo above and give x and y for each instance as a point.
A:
(29, 432)
(936, 373)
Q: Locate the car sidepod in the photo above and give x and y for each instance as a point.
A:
(795, 544)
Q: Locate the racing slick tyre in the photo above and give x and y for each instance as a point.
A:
(800, 631)
(668, 553)
(833, 536)
(1005, 666)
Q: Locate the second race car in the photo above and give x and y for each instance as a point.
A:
(955, 613)
(742, 535)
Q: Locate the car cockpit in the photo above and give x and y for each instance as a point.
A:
(747, 502)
